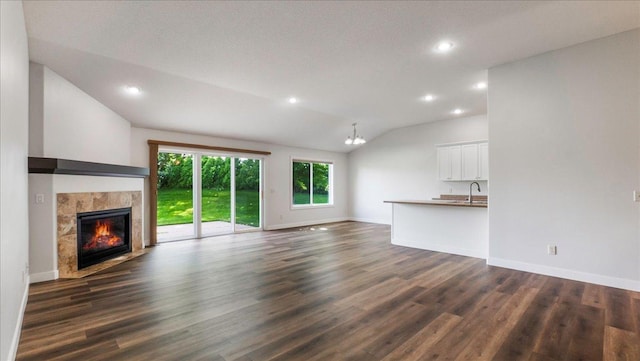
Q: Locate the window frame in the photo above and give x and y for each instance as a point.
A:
(330, 163)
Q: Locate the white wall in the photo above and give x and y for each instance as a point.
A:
(14, 234)
(277, 182)
(67, 123)
(564, 161)
(43, 243)
(402, 164)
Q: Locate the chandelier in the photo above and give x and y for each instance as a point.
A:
(356, 139)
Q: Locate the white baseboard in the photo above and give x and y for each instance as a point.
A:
(370, 220)
(440, 248)
(624, 283)
(13, 350)
(44, 276)
(305, 223)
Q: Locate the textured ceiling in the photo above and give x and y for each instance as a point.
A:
(227, 68)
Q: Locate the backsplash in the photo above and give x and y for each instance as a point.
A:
(463, 197)
(453, 188)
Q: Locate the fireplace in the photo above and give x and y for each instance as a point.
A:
(103, 235)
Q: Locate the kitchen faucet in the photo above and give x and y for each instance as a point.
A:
(471, 189)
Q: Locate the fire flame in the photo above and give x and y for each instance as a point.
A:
(102, 237)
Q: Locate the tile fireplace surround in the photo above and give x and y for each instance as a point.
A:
(69, 204)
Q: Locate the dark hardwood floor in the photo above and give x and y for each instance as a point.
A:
(330, 292)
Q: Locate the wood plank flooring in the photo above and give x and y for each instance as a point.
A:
(330, 292)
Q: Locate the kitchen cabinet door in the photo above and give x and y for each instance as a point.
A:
(449, 163)
(456, 162)
(470, 169)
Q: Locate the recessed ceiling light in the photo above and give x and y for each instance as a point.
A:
(133, 90)
(480, 85)
(428, 98)
(457, 111)
(444, 46)
(293, 100)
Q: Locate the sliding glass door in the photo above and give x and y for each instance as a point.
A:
(215, 198)
(247, 194)
(175, 196)
(202, 195)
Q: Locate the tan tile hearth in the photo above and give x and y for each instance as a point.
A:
(69, 204)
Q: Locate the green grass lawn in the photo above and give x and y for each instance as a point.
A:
(175, 206)
(303, 198)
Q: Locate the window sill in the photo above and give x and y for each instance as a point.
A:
(310, 206)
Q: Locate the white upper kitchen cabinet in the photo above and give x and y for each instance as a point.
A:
(470, 168)
(449, 163)
(466, 161)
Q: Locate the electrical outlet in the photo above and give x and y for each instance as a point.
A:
(636, 196)
(552, 250)
(39, 198)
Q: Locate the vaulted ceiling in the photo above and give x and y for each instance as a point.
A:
(228, 68)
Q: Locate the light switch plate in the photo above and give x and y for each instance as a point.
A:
(636, 196)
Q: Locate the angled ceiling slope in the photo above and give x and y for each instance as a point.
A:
(227, 68)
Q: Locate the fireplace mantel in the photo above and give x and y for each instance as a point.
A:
(75, 167)
(49, 215)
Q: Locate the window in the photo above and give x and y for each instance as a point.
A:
(311, 183)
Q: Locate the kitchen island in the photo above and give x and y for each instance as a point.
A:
(450, 226)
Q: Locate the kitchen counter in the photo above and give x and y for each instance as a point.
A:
(441, 225)
(443, 202)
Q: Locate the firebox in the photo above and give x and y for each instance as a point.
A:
(103, 235)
